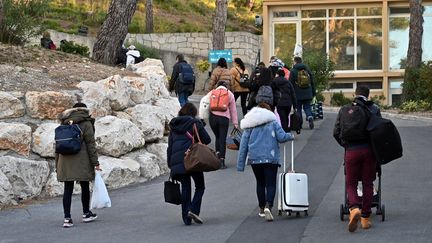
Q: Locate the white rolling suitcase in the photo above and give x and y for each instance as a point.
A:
(292, 189)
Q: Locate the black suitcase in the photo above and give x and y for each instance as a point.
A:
(295, 122)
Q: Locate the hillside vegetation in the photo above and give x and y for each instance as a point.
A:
(169, 15)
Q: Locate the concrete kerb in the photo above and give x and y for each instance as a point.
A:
(332, 109)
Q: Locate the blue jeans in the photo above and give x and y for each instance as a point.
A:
(187, 205)
(306, 104)
(265, 175)
(183, 97)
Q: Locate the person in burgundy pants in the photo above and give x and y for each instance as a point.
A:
(360, 163)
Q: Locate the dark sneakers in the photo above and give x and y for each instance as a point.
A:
(67, 223)
(311, 123)
(195, 218)
(88, 217)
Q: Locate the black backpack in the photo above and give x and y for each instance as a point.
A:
(353, 123)
(244, 79)
(186, 75)
(68, 139)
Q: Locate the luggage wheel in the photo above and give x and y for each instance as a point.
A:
(280, 213)
(298, 214)
(306, 213)
(289, 213)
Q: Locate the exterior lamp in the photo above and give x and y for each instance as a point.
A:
(258, 20)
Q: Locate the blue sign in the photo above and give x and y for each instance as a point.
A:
(214, 55)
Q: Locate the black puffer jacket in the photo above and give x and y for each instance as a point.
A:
(179, 142)
(178, 86)
(288, 96)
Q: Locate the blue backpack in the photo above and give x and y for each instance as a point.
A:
(186, 75)
(68, 139)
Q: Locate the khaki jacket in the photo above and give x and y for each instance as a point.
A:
(235, 85)
(219, 74)
(78, 167)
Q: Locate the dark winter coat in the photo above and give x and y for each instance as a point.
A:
(302, 94)
(288, 96)
(179, 142)
(364, 141)
(178, 86)
(78, 167)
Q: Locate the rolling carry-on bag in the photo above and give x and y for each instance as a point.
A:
(292, 189)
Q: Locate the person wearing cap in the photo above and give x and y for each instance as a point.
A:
(131, 55)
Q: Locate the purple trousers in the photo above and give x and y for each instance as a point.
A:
(360, 165)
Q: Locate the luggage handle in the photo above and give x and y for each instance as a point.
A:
(292, 157)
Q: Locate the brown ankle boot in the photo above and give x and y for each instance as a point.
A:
(353, 219)
(365, 223)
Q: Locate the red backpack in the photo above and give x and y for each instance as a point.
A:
(219, 100)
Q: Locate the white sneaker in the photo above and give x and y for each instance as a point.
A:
(67, 223)
(88, 217)
(268, 214)
(261, 213)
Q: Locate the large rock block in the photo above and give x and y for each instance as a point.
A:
(119, 172)
(54, 188)
(149, 165)
(160, 150)
(96, 99)
(43, 140)
(10, 106)
(48, 105)
(27, 177)
(6, 193)
(115, 136)
(16, 137)
(148, 62)
(140, 90)
(156, 77)
(150, 120)
(118, 92)
(171, 106)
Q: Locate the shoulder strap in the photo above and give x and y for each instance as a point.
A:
(196, 132)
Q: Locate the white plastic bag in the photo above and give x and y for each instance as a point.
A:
(204, 107)
(100, 197)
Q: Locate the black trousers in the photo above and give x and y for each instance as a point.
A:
(219, 126)
(67, 197)
(188, 203)
(243, 98)
(284, 112)
(265, 175)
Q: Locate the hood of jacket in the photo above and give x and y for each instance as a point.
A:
(300, 66)
(181, 124)
(76, 115)
(257, 117)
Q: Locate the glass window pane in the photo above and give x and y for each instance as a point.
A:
(342, 43)
(371, 85)
(341, 86)
(374, 11)
(427, 11)
(314, 35)
(399, 11)
(285, 14)
(427, 37)
(369, 44)
(314, 13)
(284, 41)
(346, 12)
(398, 41)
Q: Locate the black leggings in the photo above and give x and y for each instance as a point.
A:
(219, 126)
(243, 98)
(67, 197)
(284, 112)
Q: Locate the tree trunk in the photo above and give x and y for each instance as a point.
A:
(414, 56)
(113, 31)
(1, 13)
(149, 16)
(219, 23)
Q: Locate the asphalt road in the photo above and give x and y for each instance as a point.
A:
(230, 210)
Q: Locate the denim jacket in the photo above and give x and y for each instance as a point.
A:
(261, 137)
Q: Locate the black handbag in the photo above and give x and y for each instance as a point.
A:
(172, 191)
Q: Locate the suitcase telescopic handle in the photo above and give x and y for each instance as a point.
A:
(292, 156)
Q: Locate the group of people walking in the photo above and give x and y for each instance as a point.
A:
(259, 146)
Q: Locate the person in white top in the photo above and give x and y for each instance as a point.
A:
(131, 55)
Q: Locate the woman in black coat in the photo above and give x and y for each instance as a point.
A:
(179, 141)
(287, 99)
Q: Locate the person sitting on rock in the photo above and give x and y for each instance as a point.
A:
(133, 56)
(46, 41)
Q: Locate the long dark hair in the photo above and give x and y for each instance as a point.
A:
(222, 63)
(265, 77)
(188, 109)
(240, 63)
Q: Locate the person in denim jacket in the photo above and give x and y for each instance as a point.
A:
(260, 144)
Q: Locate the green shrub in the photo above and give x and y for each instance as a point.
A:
(203, 65)
(74, 48)
(378, 99)
(22, 20)
(322, 69)
(413, 106)
(146, 52)
(339, 99)
(418, 83)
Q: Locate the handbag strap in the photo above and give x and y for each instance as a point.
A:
(195, 129)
